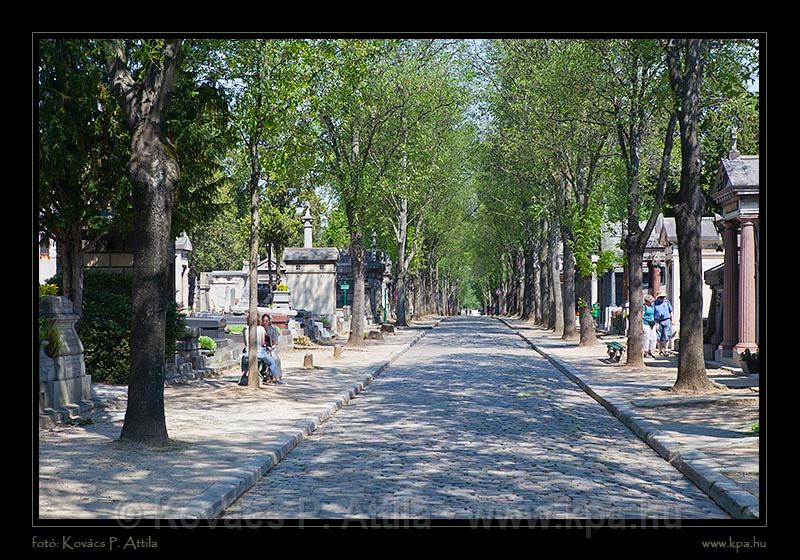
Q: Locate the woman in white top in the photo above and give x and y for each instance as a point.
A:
(266, 362)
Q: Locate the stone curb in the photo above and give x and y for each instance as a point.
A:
(214, 499)
(696, 466)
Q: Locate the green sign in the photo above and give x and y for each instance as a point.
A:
(344, 286)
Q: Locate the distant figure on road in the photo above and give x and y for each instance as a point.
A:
(663, 317)
(649, 326)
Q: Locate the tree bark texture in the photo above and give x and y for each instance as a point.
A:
(153, 173)
(685, 60)
(569, 303)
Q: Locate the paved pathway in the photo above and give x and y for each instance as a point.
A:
(215, 425)
(473, 423)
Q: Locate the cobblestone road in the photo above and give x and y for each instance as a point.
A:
(471, 423)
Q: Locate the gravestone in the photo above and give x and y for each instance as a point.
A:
(337, 351)
(308, 361)
(63, 379)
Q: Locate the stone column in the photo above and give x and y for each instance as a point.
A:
(730, 291)
(747, 289)
(655, 277)
(613, 277)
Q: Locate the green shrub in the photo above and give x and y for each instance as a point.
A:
(207, 343)
(236, 329)
(302, 340)
(326, 321)
(105, 326)
(281, 287)
(48, 290)
(49, 332)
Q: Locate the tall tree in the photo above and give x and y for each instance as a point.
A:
(266, 83)
(686, 60)
(83, 149)
(153, 172)
(635, 92)
(355, 98)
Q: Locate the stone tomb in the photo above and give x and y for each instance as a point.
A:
(311, 275)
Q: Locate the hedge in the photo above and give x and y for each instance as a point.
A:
(104, 327)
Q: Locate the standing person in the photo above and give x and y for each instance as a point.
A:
(663, 316)
(272, 337)
(649, 326)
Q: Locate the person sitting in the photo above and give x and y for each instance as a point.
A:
(265, 361)
(271, 338)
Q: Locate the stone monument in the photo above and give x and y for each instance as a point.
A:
(62, 378)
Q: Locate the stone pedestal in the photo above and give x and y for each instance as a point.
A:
(281, 299)
(62, 379)
(188, 351)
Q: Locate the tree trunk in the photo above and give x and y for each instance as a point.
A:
(359, 301)
(636, 299)
(153, 175)
(402, 235)
(588, 336)
(269, 266)
(528, 295)
(557, 308)
(72, 267)
(691, 362)
(570, 328)
(686, 84)
(544, 281)
(252, 311)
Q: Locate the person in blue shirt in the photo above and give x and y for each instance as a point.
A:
(649, 326)
(663, 317)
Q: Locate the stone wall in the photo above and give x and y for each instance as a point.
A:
(313, 290)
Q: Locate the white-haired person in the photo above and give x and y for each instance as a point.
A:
(648, 327)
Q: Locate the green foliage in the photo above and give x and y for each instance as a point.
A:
(207, 343)
(104, 327)
(235, 329)
(755, 427)
(326, 321)
(281, 287)
(607, 260)
(84, 147)
(49, 332)
(336, 233)
(48, 290)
